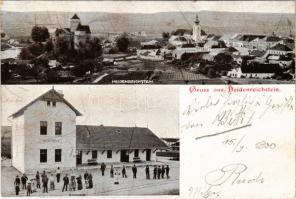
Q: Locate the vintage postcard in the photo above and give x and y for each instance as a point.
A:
(148, 99)
(142, 42)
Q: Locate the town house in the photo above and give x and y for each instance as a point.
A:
(45, 136)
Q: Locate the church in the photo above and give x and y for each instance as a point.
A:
(45, 136)
(194, 36)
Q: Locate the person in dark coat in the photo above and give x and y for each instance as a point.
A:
(103, 167)
(85, 176)
(38, 180)
(29, 189)
(167, 171)
(90, 181)
(147, 172)
(123, 172)
(111, 171)
(24, 179)
(66, 182)
(154, 172)
(45, 183)
(79, 183)
(134, 169)
(58, 174)
(162, 171)
(43, 174)
(17, 183)
(158, 172)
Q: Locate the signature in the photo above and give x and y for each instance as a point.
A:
(232, 174)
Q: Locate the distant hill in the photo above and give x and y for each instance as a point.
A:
(155, 24)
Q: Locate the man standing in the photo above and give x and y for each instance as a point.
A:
(123, 172)
(66, 182)
(85, 176)
(24, 181)
(158, 172)
(154, 172)
(147, 172)
(162, 171)
(29, 190)
(103, 167)
(134, 169)
(167, 171)
(38, 180)
(90, 181)
(17, 183)
(45, 183)
(58, 175)
(111, 171)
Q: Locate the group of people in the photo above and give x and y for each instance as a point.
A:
(72, 183)
(158, 171)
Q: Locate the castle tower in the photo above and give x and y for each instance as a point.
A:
(196, 30)
(74, 22)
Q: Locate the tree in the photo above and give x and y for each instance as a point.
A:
(223, 58)
(165, 35)
(39, 34)
(25, 54)
(83, 67)
(122, 43)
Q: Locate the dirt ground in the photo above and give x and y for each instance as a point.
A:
(104, 185)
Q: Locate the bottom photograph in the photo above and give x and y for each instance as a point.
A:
(88, 140)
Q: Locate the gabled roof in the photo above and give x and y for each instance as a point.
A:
(273, 39)
(112, 138)
(257, 53)
(51, 95)
(256, 67)
(83, 28)
(75, 16)
(281, 47)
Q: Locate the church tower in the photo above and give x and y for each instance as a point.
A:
(196, 30)
(74, 22)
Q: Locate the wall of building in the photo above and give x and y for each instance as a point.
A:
(18, 143)
(196, 33)
(37, 112)
(102, 157)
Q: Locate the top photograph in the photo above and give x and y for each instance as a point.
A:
(144, 42)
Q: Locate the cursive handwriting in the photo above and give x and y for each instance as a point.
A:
(232, 174)
(196, 106)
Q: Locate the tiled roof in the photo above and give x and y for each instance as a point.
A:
(51, 95)
(112, 137)
(83, 28)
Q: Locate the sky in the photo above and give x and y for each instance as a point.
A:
(150, 6)
(155, 107)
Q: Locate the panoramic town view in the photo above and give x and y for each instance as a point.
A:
(204, 47)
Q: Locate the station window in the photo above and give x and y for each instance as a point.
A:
(109, 154)
(58, 155)
(43, 128)
(43, 155)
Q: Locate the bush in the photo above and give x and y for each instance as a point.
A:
(39, 34)
(122, 43)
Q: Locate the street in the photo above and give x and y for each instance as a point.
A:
(104, 185)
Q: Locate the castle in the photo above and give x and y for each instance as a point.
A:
(76, 35)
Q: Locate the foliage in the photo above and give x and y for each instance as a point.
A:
(39, 34)
(122, 43)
